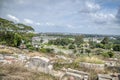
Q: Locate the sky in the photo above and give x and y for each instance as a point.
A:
(71, 16)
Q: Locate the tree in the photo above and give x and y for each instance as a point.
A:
(41, 41)
(98, 51)
(79, 40)
(111, 54)
(92, 44)
(105, 40)
(17, 39)
(100, 45)
(63, 42)
(71, 46)
(87, 50)
(116, 47)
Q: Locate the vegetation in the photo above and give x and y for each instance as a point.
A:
(92, 59)
(79, 40)
(9, 26)
(71, 46)
(12, 34)
(18, 72)
(108, 54)
(116, 47)
(17, 39)
(105, 40)
(62, 42)
(46, 50)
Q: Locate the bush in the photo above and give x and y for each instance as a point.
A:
(71, 46)
(99, 45)
(98, 51)
(111, 54)
(116, 48)
(31, 48)
(17, 39)
(46, 50)
(108, 54)
(62, 42)
(105, 54)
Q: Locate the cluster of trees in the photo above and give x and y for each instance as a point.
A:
(11, 39)
(106, 43)
(12, 34)
(79, 40)
(65, 41)
(62, 42)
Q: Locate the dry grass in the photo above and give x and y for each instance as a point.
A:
(31, 54)
(6, 51)
(18, 72)
(87, 59)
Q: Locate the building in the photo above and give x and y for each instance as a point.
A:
(93, 39)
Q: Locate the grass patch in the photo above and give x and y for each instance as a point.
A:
(18, 72)
(87, 59)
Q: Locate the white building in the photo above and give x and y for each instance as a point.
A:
(94, 39)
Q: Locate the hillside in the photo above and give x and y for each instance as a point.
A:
(6, 25)
(18, 72)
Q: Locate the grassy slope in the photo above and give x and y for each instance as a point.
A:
(18, 72)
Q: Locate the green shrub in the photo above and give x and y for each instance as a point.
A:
(46, 50)
(71, 46)
(109, 54)
(116, 48)
(105, 54)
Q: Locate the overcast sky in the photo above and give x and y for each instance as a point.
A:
(74, 16)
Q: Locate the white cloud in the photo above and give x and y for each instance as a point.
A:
(45, 24)
(28, 21)
(103, 17)
(38, 24)
(70, 26)
(50, 24)
(92, 6)
(13, 17)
